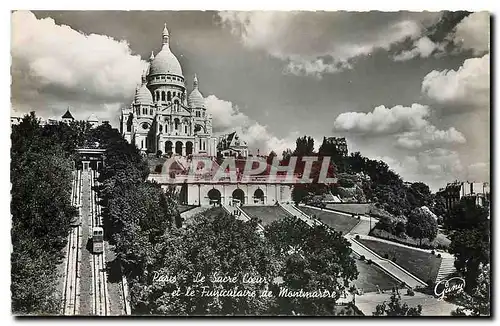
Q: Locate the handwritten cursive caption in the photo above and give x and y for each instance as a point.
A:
(245, 285)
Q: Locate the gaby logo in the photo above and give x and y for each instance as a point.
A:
(452, 285)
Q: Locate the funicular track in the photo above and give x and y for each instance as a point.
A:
(100, 303)
(71, 292)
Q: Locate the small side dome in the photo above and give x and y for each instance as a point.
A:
(143, 96)
(92, 118)
(195, 98)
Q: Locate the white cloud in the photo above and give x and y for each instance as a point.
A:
(325, 42)
(227, 118)
(469, 85)
(473, 33)
(409, 126)
(384, 121)
(430, 136)
(435, 167)
(60, 61)
(225, 114)
(479, 171)
(423, 48)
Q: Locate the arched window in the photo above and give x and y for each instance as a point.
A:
(160, 128)
(176, 101)
(163, 96)
(204, 148)
(157, 95)
(176, 124)
(185, 129)
(169, 96)
(151, 111)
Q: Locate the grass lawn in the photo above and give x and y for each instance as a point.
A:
(370, 275)
(350, 208)
(336, 221)
(183, 208)
(441, 241)
(267, 214)
(423, 265)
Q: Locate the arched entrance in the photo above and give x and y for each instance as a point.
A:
(238, 194)
(258, 196)
(189, 148)
(214, 196)
(178, 147)
(168, 147)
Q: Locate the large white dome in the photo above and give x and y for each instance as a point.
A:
(165, 62)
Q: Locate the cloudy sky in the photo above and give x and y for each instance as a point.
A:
(411, 89)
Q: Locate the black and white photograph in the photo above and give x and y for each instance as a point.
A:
(262, 163)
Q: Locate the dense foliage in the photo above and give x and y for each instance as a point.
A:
(313, 258)
(210, 246)
(478, 302)
(136, 212)
(469, 225)
(41, 212)
(383, 186)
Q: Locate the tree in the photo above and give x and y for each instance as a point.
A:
(285, 156)
(478, 302)
(214, 242)
(304, 146)
(329, 149)
(470, 239)
(314, 258)
(395, 308)
(41, 214)
(421, 225)
(270, 157)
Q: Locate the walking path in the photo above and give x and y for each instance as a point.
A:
(431, 306)
(368, 237)
(387, 265)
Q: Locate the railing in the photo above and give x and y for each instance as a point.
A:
(183, 178)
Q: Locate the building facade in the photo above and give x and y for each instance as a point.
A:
(455, 191)
(232, 145)
(163, 117)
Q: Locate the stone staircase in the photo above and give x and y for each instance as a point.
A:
(447, 267)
